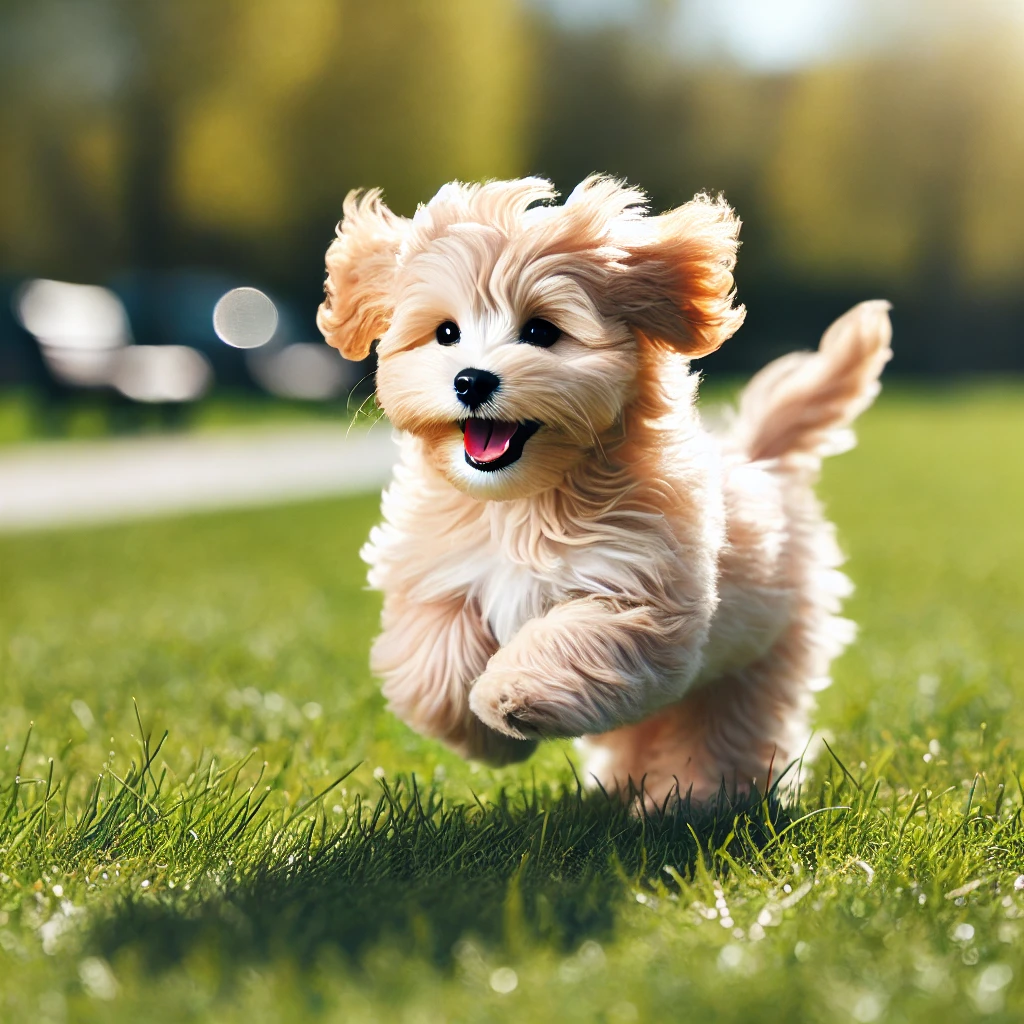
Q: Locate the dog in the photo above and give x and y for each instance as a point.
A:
(566, 550)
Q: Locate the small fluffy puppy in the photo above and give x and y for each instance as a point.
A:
(566, 549)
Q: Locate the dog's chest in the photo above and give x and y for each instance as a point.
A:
(510, 592)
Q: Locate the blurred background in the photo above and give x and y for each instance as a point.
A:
(163, 154)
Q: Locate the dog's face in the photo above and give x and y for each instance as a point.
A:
(510, 336)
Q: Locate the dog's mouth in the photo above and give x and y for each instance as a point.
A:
(495, 444)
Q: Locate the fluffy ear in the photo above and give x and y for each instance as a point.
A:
(361, 264)
(676, 286)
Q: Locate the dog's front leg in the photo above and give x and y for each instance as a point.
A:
(428, 655)
(587, 666)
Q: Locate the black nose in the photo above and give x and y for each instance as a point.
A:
(474, 387)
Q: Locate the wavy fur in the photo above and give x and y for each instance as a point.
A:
(670, 594)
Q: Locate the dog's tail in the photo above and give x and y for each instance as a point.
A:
(803, 403)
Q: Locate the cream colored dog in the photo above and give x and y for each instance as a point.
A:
(566, 550)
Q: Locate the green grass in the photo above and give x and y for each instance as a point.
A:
(25, 418)
(204, 876)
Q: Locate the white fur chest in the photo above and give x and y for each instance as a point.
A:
(511, 589)
(510, 594)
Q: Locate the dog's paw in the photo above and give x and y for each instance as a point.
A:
(515, 705)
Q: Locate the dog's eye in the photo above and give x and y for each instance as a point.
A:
(539, 332)
(448, 333)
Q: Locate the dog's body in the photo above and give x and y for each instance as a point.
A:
(566, 550)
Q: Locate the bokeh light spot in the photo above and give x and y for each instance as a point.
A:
(245, 318)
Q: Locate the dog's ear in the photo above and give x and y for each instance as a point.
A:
(675, 283)
(361, 265)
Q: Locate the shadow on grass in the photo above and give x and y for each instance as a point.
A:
(419, 874)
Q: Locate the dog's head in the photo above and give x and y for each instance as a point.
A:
(512, 331)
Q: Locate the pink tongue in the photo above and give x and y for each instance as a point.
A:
(487, 440)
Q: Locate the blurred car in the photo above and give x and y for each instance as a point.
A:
(21, 358)
(152, 337)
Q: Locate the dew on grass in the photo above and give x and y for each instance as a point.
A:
(730, 957)
(50, 932)
(988, 991)
(97, 978)
(504, 980)
(725, 918)
(995, 977)
(868, 1007)
(867, 869)
(930, 976)
(963, 932)
(83, 713)
(796, 896)
(964, 890)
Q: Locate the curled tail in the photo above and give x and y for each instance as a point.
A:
(803, 403)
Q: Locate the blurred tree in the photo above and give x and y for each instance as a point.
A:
(147, 134)
(60, 206)
(884, 168)
(225, 133)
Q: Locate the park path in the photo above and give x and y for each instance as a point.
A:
(54, 484)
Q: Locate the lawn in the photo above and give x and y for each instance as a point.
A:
(290, 852)
(84, 416)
